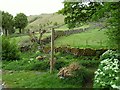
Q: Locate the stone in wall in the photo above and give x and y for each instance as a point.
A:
(46, 50)
(75, 51)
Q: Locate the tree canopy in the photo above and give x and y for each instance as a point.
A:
(7, 23)
(20, 21)
(78, 12)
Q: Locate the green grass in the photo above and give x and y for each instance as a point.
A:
(46, 35)
(29, 62)
(25, 38)
(89, 39)
(31, 73)
(34, 79)
(64, 28)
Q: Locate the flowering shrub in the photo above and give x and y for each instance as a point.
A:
(109, 54)
(107, 73)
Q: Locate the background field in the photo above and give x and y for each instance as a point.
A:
(89, 39)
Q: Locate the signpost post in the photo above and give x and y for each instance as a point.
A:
(52, 50)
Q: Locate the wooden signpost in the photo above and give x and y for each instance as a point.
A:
(52, 50)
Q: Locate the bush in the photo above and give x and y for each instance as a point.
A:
(60, 63)
(26, 64)
(107, 73)
(90, 63)
(10, 49)
(109, 54)
(41, 65)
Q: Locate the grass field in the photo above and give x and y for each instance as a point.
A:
(25, 38)
(34, 79)
(28, 72)
(64, 27)
(89, 39)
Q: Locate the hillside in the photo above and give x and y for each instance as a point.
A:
(35, 21)
(89, 39)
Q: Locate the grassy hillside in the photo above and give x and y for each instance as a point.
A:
(45, 20)
(64, 27)
(89, 39)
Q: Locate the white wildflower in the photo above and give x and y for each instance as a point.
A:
(31, 59)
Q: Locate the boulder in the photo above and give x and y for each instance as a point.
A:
(69, 70)
(40, 57)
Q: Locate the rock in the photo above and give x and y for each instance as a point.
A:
(10, 71)
(68, 71)
(40, 57)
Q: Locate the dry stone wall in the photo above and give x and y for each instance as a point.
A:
(76, 51)
(58, 34)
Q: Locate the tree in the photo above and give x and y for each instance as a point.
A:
(114, 23)
(78, 12)
(7, 23)
(20, 21)
(55, 24)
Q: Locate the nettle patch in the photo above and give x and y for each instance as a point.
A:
(107, 74)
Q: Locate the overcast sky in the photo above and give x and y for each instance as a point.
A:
(30, 7)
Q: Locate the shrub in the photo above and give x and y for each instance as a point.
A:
(26, 64)
(90, 63)
(10, 49)
(60, 63)
(41, 65)
(107, 73)
(108, 54)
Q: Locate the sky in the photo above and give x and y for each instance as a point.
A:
(31, 7)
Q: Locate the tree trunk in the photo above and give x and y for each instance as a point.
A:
(41, 34)
(5, 32)
(40, 38)
(20, 30)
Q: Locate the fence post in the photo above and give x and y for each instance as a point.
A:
(52, 50)
(101, 43)
(86, 42)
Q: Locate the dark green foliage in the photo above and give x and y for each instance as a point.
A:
(90, 63)
(27, 64)
(20, 21)
(113, 22)
(60, 63)
(10, 50)
(7, 23)
(55, 24)
(118, 81)
(77, 12)
(109, 54)
(41, 65)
